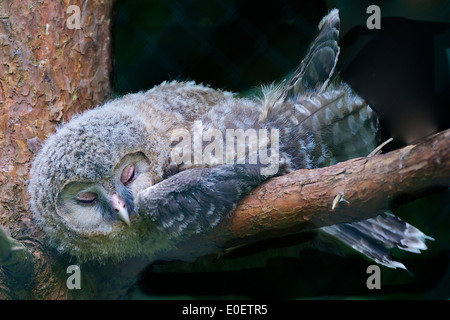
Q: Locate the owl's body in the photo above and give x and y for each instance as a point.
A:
(106, 185)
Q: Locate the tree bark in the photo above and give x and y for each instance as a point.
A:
(50, 72)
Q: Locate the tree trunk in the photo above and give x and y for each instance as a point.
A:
(48, 73)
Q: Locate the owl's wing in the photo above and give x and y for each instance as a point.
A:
(376, 237)
(335, 126)
(316, 69)
(196, 200)
(320, 123)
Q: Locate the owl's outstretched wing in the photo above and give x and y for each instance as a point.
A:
(321, 123)
(316, 69)
(376, 237)
(196, 200)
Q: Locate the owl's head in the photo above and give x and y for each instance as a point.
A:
(85, 179)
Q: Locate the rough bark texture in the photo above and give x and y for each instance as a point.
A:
(47, 74)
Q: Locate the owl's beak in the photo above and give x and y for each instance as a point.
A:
(120, 208)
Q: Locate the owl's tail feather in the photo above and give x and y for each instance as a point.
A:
(375, 238)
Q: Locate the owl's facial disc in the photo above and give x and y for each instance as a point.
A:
(120, 207)
(104, 205)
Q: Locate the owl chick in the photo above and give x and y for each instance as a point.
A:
(143, 173)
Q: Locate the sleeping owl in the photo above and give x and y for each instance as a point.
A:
(143, 173)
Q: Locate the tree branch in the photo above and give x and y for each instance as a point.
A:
(353, 190)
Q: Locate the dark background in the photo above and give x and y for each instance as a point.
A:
(402, 70)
